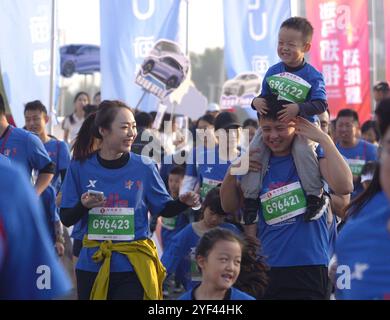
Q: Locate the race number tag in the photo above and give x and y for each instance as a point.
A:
(287, 86)
(283, 203)
(169, 223)
(356, 166)
(207, 185)
(111, 224)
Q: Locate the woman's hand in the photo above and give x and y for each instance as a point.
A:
(309, 130)
(190, 198)
(92, 201)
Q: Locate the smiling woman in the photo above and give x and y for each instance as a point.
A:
(114, 228)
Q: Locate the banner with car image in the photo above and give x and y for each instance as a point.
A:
(130, 29)
(240, 90)
(164, 69)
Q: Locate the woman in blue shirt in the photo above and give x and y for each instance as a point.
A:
(110, 191)
(363, 246)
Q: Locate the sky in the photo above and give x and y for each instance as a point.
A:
(78, 21)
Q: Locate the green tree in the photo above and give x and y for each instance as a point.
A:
(208, 72)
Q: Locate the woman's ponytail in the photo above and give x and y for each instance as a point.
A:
(85, 143)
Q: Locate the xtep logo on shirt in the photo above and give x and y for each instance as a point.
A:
(128, 184)
(208, 170)
(360, 268)
(92, 184)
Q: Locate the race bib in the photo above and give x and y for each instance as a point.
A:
(111, 224)
(169, 223)
(356, 166)
(287, 86)
(283, 203)
(207, 185)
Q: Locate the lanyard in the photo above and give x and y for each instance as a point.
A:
(9, 130)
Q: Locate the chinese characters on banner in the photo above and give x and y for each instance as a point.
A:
(25, 32)
(386, 4)
(340, 50)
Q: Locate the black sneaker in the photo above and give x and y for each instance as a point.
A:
(251, 209)
(316, 207)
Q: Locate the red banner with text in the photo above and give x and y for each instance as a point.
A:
(387, 37)
(340, 50)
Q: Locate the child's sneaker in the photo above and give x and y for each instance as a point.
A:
(178, 288)
(251, 209)
(316, 207)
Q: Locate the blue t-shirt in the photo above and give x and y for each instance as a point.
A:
(363, 247)
(363, 151)
(196, 156)
(59, 153)
(292, 242)
(235, 294)
(48, 199)
(26, 250)
(313, 78)
(183, 246)
(25, 148)
(4, 160)
(211, 171)
(136, 185)
(171, 226)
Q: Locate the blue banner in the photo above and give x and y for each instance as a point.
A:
(129, 29)
(251, 34)
(25, 34)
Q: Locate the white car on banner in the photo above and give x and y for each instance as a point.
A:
(164, 69)
(241, 90)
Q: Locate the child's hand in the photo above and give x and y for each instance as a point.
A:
(289, 113)
(261, 105)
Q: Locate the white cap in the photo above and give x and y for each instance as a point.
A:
(213, 107)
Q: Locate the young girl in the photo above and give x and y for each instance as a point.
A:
(183, 244)
(219, 256)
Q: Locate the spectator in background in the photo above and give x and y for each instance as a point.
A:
(325, 121)
(73, 122)
(97, 98)
(251, 125)
(370, 132)
(213, 109)
(381, 91)
(356, 151)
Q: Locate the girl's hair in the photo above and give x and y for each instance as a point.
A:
(373, 188)
(213, 202)
(78, 94)
(371, 124)
(84, 144)
(252, 278)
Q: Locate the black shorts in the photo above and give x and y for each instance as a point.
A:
(298, 283)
